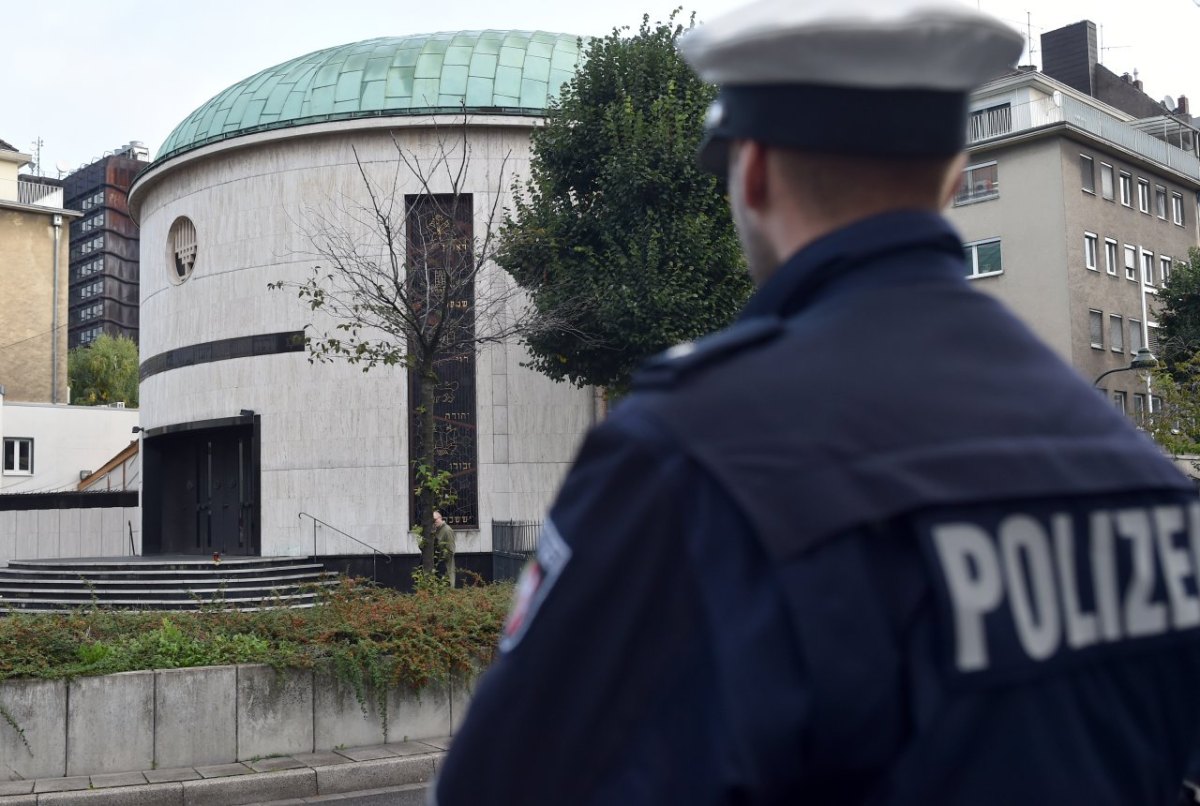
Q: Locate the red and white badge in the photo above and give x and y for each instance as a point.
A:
(535, 583)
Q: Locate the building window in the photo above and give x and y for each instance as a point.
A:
(1130, 263)
(1139, 407)
(1160, 201)
(1164, 269)
(1106, 181)
(1090, 244)
(1116, 333)
(1156, 405)
(92, 289)
(1135, 336)
(1152, 334)
(1119, 401)
(1177, 208)
(979, 182)
(1096, 328)
(1110, 256)
(990, 122)
(181, 242)
(93, 311)
(1126, 189)
(1144, 196)
(18, 456)
(1087, 173)
(1147, 267)
(983, 258)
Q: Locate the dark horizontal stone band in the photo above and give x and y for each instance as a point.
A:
(223, 350)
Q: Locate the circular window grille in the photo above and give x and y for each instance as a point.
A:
(181, 242)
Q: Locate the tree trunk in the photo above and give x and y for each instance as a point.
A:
(428, 457)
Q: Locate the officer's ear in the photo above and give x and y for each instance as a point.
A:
(749, 169)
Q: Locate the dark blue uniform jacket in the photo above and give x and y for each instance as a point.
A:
(875, 543)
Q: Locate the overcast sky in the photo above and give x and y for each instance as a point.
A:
(87, 77)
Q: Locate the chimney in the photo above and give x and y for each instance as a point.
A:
(1182, 109)
(1137, 82)
(1070, 54)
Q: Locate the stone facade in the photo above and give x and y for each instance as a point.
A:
(334, 440)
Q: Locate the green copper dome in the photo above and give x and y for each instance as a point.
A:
(497, 72)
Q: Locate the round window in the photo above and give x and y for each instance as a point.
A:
(181, 245)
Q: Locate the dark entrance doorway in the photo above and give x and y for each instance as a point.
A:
(201, 492)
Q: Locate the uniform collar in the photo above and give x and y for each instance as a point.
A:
(800, 277)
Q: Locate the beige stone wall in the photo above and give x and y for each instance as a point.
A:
(26, 314)
(1112, 292)
(1029, 219)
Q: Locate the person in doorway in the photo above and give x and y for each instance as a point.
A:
(796, 565)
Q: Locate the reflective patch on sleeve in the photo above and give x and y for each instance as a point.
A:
(535, 583)
(1024, 588)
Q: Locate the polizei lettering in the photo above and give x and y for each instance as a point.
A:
(1020, 588)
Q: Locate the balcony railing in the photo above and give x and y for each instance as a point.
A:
(1001, 120)
(31, 193)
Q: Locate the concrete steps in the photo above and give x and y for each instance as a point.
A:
(161, 583)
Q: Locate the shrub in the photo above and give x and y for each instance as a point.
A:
(365, 634)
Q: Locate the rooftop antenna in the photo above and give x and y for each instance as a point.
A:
(1029, 35)
(1104, 49)
(36, 148)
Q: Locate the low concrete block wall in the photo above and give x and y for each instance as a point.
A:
(207, 734)
(274, 712)
(34, 743)
(208, 715)
(111, 723)
(43, 534)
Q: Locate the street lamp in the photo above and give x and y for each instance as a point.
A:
(1143, 360)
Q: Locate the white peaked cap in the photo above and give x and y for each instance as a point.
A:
(870, 44)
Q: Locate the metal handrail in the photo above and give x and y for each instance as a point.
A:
(374, 550)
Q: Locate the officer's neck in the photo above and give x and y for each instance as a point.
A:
(795, 228)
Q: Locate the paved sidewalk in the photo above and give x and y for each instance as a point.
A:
(285, 778)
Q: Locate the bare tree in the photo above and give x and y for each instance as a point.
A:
(404, 280)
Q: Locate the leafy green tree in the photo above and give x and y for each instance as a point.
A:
(103, 372)
(1176, 424)
(1179, 314)
(617, 224)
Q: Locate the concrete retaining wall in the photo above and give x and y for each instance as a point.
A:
(43, 534)
(209, 715)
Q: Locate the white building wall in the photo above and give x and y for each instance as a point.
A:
(66, 441)
(334, 439)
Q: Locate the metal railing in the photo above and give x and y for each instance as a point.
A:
(516, 537)
(374, 551)
(37, 193)
(1002, 120)
(513, 543)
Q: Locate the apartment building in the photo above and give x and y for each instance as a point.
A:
(1074, 214)
(104, 247)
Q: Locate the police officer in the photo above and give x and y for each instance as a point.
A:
(923, 563)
